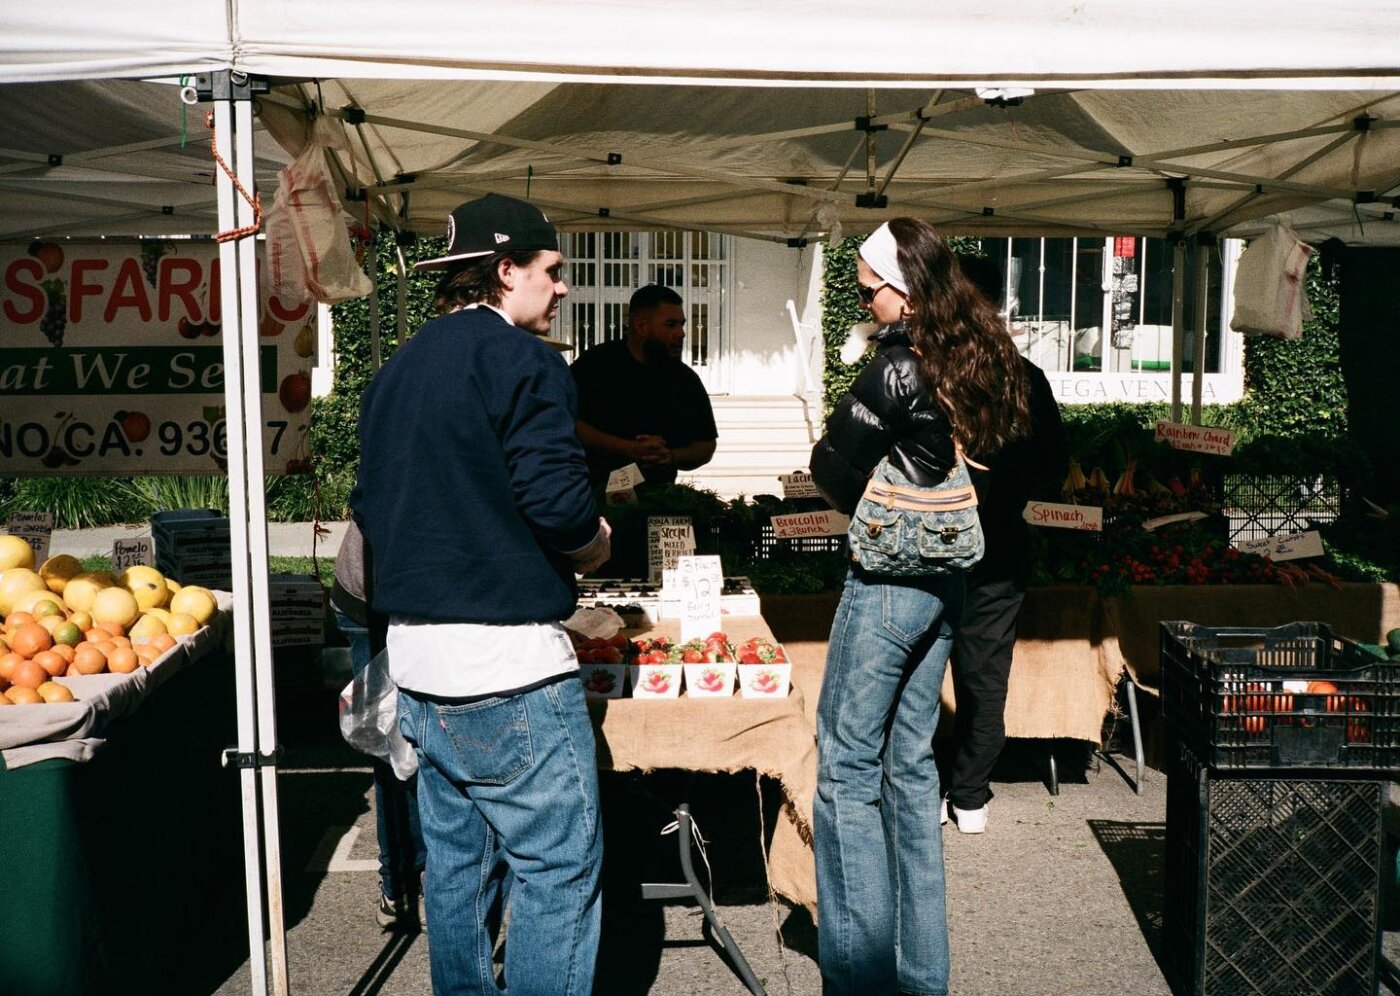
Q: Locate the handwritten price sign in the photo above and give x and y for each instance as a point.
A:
(825, 523)
(798, 484)
(1088, 518)
(1285, 546)
(36, 529)
(1196, 438)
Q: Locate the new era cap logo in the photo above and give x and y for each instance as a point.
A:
(501, 238)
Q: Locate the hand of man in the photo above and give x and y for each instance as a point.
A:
(596, 553)
(652, 451)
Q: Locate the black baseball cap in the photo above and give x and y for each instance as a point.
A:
(492, 224)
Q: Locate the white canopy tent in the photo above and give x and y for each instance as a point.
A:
(784, 124)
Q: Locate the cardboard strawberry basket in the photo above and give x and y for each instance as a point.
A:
(1293, 696)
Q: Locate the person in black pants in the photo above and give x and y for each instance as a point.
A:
(986, 634)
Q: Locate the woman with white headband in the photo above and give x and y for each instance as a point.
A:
(945, 375)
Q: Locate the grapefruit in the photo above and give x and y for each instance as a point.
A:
(24, 695)
(82, 590)
(194, 601)
(181, 624)
(58, 570)
(114, 605)
(17, 581)
(15, 552)
(147, 584)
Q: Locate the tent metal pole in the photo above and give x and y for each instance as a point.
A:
(1198, 342)
(1212, 224)
(238, 535)
(401, 301)
(1178, 323)
(257, 548)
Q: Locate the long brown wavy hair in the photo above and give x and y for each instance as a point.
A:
(964, 349)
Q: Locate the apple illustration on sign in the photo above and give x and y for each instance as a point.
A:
(136, 426)
(295, 392)
(47, 253)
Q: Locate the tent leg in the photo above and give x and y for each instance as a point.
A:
(256, 750)
(1198, 346)
(1178, 323)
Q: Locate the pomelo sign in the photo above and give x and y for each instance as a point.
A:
(111, 362)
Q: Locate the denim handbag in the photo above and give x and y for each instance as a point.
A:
(905, 530)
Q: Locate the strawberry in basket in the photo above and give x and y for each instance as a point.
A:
(714, 649)
(651, 650)
(757, 650)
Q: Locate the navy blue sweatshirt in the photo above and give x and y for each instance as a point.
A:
(472, 483)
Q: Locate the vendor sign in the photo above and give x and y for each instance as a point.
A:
(1084, 517)
(138, 551)
(621, 488)
(700, 583)
(1285, 546)
(798, 484)
(827, 522)
(1196, 438)
(669, 537)
(111, 362)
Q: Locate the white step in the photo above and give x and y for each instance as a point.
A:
(759, 438)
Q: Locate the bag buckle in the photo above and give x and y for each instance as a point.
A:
(949, 534)
(874, 529)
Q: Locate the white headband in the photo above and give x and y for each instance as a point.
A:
(881, 252)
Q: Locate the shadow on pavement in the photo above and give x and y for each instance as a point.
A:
(1137, 852)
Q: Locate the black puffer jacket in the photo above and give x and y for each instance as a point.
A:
(889, 410)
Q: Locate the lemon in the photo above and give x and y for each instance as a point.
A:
(58, 570)
(194, 601)
(15, 552)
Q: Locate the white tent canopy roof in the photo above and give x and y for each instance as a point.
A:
(1069, 42)
(748, 124)
(105, 157)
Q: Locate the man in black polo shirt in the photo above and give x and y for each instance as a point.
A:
(638, 403)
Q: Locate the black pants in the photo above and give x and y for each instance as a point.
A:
(981, 668)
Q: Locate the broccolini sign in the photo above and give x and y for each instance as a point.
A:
(111, 362)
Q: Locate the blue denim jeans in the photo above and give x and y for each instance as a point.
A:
(508, 788)
(401, 850)
(880, 889)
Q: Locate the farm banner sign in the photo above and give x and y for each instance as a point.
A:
(111, 362)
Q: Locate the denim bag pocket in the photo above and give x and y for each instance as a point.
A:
(489, 741)
(879, 527)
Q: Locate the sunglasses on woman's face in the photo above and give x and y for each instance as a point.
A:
(867, 294)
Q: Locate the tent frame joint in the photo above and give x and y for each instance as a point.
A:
(870, 199)
(863, 124)
(229, 84)
(235, 758)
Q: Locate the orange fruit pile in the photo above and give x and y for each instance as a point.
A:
(41, 646)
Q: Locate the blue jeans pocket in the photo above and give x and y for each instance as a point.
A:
(488, 742)
(905, 614)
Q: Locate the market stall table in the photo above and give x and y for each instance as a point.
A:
(120, 829)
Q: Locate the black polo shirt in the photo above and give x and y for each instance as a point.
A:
(620, 396)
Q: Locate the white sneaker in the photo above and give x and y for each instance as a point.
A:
(943, 814)
(970, 820)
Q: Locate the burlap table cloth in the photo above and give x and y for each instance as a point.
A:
(773, 737)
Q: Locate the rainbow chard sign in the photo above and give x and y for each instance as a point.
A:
(111, 362)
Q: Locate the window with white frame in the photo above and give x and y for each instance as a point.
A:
(1103, 305)
(604, 268)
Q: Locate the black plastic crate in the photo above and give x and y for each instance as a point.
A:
(1293, 696)
(1272, 884)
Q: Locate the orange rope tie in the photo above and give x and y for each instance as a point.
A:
(255, 199)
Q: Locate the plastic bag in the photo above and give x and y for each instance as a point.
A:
(282, 255)
(369, 717)
(1270, 298)
(318, 222)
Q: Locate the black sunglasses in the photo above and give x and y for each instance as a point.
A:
(867, 294)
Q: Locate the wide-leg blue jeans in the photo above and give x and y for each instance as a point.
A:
(509, 781)
(883, 925)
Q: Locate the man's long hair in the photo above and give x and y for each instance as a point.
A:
(475, 281)
(964, 349)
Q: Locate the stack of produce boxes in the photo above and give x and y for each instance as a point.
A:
(1282, 743)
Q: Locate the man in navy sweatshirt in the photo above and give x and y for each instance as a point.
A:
(473, 496)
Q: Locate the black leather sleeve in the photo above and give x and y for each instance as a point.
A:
(857, 436)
